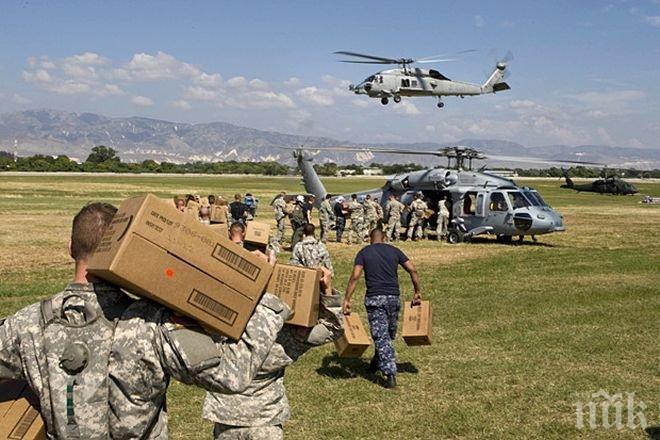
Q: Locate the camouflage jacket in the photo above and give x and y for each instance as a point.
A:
(442, 208)
(298, 215)
(418, 207)
(279, 206)
(370, 211)
(394, 209)
(326, 213)
(100, 362)
(309, 252)
(264, 402)
(356, 209)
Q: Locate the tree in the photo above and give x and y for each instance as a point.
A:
(102, 154)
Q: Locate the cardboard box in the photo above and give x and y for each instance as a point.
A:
(155, 251)
(299, 288)
(19, 413)
(355, 339)
(417, 323)
(220, 228)
(192, 209)
(257, 233)
(218, 214)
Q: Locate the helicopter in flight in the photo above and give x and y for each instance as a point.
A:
(414, 81)
(607, 185)
(480, 202)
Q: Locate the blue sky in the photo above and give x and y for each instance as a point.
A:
(585, 72)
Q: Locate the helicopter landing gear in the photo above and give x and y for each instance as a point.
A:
(440, 103)
(397, 98)
(384, 100)
(456, 237)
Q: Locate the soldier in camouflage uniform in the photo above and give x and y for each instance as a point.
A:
(259, 412)
(297, 220)
(279, 207)
(100, 362)
(443, 217)
(393, 211)
(417, 217)
(326, 217)
(370, 214)
(380, 262)
(311, 253)
(356, 210)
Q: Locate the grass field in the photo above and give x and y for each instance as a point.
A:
(521, 332)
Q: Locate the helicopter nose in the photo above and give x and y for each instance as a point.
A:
(367, 87)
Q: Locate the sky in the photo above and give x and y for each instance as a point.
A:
(584, 72)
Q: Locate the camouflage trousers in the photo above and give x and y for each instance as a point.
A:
(383, 313)
(279, 232)
(371, 224)
(443, 221)
(228, 432)
(325, 230)
(416, 225)
(357, 228)
(393, 227)
(297, 234)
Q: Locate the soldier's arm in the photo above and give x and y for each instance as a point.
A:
(296, 256)
(10, 358)
(327, 262)
(215, 363)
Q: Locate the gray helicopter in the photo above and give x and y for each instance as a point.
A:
(409, 81)
(481, 203)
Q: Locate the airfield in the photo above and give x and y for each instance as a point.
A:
(521, 333)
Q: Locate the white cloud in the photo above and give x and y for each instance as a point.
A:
(237, 82)
(316, 96)
(200, 94)
(479, 21)
(429, 128)
(362, 103)
(180, 104)
(146, 67)
(524, 103)
(142, 101)
(87, 58)
(407, 108)
(208, 80)
(259, 84)
(259, 99)
(292, 82)
(653, 20)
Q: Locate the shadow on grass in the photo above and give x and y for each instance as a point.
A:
(348, 368)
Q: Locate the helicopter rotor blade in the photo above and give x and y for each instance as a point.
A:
(449, 56)
(541, 161)
(364, 62)
(368, 57)
(437, 60)
(371, 150)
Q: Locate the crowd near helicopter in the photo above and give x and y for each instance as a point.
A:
(481, 202)
(414, 81)
(607, 185)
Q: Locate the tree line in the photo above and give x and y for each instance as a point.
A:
(105, 159)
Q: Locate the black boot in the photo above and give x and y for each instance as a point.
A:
(391, 382)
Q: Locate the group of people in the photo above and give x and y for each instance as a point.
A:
(360, 215)
(217, 209)
(100, 361)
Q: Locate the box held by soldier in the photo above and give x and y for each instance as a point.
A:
(19, 413)
(299, 288)
(220, 228)
(218, 214)
(355, 339)
(155, 251)
(257, 235)
(417, 323)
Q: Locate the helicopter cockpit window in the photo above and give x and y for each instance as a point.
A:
(414, 83)
(370, 79)
(497, 202)
(405, 82)
(518, 200)
(535, 198)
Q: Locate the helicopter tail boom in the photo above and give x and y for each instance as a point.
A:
(495, 82)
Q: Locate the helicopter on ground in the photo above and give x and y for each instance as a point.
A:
(481, 202)
(607, 185)
(413, 81)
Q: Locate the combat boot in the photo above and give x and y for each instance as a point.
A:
(390, 382)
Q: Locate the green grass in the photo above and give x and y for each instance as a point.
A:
(520, 332)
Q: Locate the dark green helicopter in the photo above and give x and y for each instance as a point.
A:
(606, 185)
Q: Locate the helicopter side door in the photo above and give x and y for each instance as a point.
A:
(499, 213)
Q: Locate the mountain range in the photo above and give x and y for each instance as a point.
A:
(54, 132)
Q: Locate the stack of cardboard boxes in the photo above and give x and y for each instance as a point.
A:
(155, 251)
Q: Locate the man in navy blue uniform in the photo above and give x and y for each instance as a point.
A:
(380, 262)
